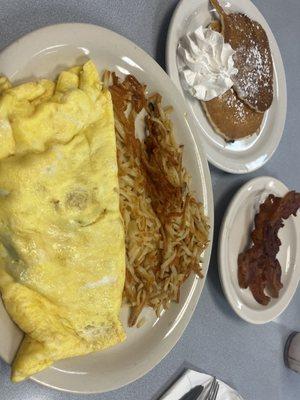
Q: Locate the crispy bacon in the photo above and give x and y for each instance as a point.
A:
(258, 267)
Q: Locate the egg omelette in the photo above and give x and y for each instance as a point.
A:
(62, 251)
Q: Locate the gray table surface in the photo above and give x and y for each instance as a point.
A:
(216, 341)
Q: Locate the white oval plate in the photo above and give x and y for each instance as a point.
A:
(44, 53)
(234, 237)
(250, 153)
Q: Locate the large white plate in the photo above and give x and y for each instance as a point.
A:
(234, 238)
(44, 53)
(250, 153)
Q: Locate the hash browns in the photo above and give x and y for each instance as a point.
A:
(166, 229)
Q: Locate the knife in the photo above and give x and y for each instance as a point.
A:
(193, 394)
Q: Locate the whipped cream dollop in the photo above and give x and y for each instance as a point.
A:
(206, 63)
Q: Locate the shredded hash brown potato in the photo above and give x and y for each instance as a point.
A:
(166, 229)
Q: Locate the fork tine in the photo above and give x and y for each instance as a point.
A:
(211, 389)
(215, 392)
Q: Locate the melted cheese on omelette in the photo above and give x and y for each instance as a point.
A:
(62, 252)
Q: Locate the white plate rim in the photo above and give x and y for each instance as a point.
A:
(207, 186)
(263, 316)
(280, 84)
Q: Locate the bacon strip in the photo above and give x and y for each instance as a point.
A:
(258, 267)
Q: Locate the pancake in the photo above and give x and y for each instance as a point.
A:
(254, 81)
(232, 118)
(229, 116)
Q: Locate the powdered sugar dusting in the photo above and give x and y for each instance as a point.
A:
(254, 80)
(256, 72)
(239, 109)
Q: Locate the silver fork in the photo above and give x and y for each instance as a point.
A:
(213, 391)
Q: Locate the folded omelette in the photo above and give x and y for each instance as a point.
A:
(62, 251)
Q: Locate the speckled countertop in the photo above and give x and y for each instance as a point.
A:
(216, 341)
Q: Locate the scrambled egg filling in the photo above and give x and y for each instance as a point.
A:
(62, 252)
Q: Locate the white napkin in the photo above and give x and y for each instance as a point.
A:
(190, 379)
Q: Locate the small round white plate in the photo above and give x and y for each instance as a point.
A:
(44, 53)
(234, 238)
(250, 153)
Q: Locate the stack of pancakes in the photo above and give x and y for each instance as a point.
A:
(239, 111)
